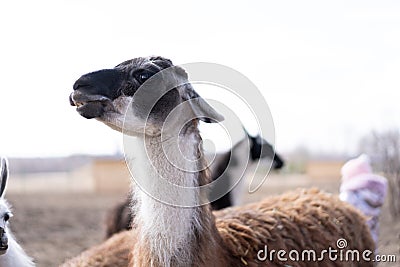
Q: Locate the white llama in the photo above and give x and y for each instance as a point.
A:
(11, 253)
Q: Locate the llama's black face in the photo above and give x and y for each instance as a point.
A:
(95, 92)
(135, 92)
(260, 148)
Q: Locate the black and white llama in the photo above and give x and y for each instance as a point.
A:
(231, 168)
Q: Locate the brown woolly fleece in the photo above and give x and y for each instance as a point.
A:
(298, 220)
(304, 219)
(113, 252)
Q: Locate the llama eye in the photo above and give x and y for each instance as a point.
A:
(143, 76)
(7, 216)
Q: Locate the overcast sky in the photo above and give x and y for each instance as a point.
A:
(329, 71)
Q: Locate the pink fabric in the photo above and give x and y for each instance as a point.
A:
(371, 182)
(355, 167)
(357, 174)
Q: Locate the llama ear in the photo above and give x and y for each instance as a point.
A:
(256, 147)
(3, 176)
(202, 110)
(246, 133)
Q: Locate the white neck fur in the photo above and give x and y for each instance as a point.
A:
(168, 229)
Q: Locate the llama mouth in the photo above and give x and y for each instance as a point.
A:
(90, 106)
(79, 99)
(83, 105)
(79, 104)
(3, 249)
(92, 109)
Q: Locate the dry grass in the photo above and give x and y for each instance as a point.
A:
(53, 228)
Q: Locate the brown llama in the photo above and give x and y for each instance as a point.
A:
(173, 226)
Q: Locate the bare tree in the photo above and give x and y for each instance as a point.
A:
(384, 149)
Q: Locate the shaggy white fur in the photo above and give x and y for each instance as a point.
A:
(155, 186)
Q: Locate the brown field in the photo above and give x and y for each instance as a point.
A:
(55, 227)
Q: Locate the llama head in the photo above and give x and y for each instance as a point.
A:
(5, 213)
(140, 96)
(260, 148)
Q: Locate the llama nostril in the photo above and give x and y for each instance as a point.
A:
(3, 238)
(81, 82)
(78, 84)
(4, 241)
